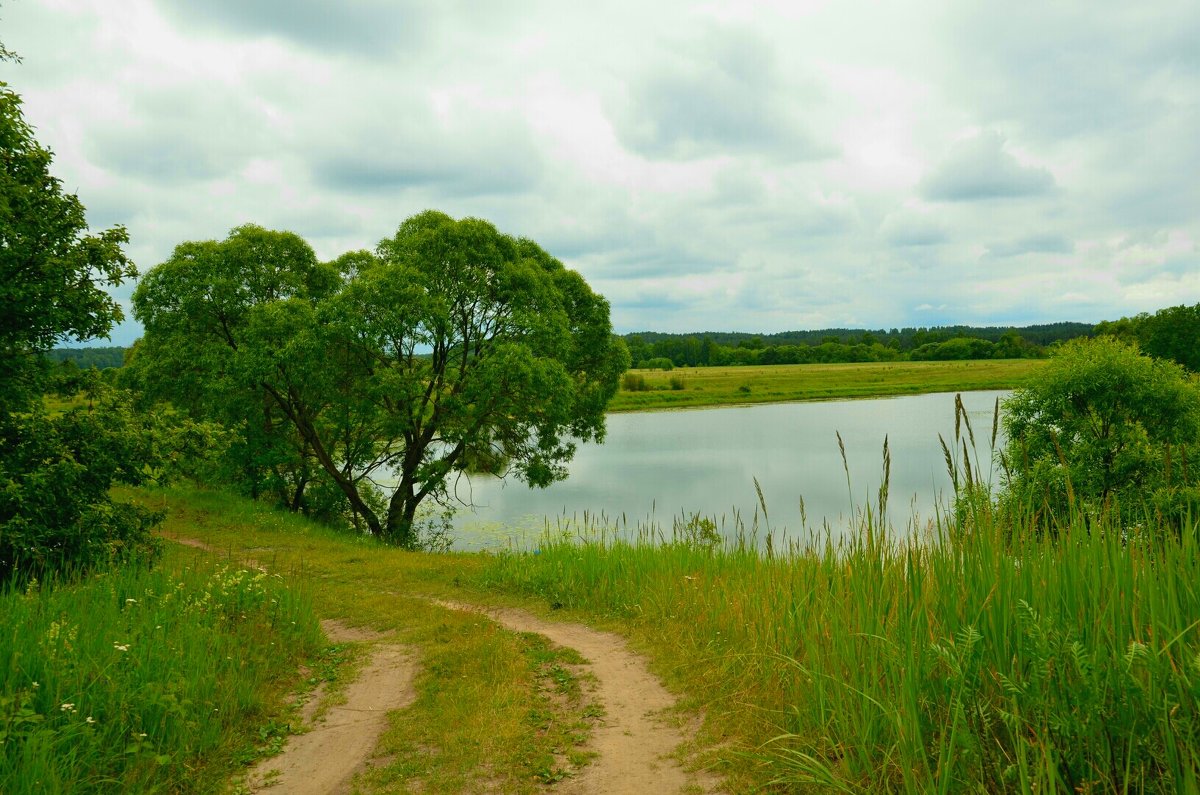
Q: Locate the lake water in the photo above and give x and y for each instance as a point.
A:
(659, 466)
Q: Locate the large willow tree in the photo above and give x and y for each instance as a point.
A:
(450, 345)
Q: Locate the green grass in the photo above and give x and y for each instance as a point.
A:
(144, 681)
(716, 386)
(971, 662)
(488, 713)
(979, 660)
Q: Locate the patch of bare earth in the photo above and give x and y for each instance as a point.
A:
(634, 744)
(325, 759)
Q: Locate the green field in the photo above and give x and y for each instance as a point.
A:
(719, 386)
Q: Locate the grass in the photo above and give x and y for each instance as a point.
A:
(975, 658)
(645, 390)
(144, 681)
(489, 713)
(978, 658)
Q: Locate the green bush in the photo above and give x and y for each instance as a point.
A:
(1102, 428)
(634, 382)
(677, 383)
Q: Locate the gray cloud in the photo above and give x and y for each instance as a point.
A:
(980, 168)
(1030, 244)
(349, 26)
(723, 94)
(1070, 69)
(909, 230)
(486, 156)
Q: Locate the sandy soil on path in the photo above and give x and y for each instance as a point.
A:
(325, 759)
(634, 744)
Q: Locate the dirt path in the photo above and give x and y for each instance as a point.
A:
(634, 744)
(325, 759)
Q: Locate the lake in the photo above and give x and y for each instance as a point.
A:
(658, 466)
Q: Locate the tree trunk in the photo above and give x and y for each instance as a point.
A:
(402, 513)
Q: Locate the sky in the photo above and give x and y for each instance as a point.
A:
(740, 166)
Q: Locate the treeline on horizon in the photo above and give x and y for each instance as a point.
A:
(1164, 333)
(652, 349)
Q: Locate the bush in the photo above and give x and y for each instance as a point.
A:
(634, 382)
(659, 363)
(677, 383)
(56, 515)
(1102, 428)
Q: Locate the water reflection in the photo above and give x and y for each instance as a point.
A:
(657, 466)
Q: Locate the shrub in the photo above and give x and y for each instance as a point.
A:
(677, 383)
(634, 382)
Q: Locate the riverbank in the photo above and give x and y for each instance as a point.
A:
(994, 660)
(703, 387)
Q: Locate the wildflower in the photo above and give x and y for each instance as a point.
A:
(131, 601)
(36, 685)
(121, 646)
(90, 719)
(67, 707)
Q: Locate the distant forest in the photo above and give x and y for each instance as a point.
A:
(656, 349)
(100, 358)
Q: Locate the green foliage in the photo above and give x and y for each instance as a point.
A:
(1173, 333)
(139, 681)
(658, 363)
(51, 270)
(1097, 430)
(677, 383)
(55, 512)
(102, 358)
(634, 382)
(452, 343)
(56, 473)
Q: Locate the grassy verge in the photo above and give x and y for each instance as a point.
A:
(977, 663)
(717, 386)
(143, 681)
(495, 710)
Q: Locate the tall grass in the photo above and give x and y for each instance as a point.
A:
(141, 681)
(975, 656)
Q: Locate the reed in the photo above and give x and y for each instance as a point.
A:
(972, 654)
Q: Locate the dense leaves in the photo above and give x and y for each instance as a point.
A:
(1103, 428)
(55, 472)
(382, 374)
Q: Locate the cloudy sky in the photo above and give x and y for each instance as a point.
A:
(706, 166)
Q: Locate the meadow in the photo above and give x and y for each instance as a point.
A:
(980, 659)
(139, 680)
(717, 386)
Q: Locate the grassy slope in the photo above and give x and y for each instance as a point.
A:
(141, 680)
(716, 386)
(965, 667)
(495, 709)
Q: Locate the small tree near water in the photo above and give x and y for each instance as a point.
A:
(1103, 427)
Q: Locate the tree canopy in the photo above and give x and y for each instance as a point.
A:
(451, 346)
(1102, 426)
(55, 472)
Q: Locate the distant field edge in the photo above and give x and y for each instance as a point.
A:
(711, 387)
